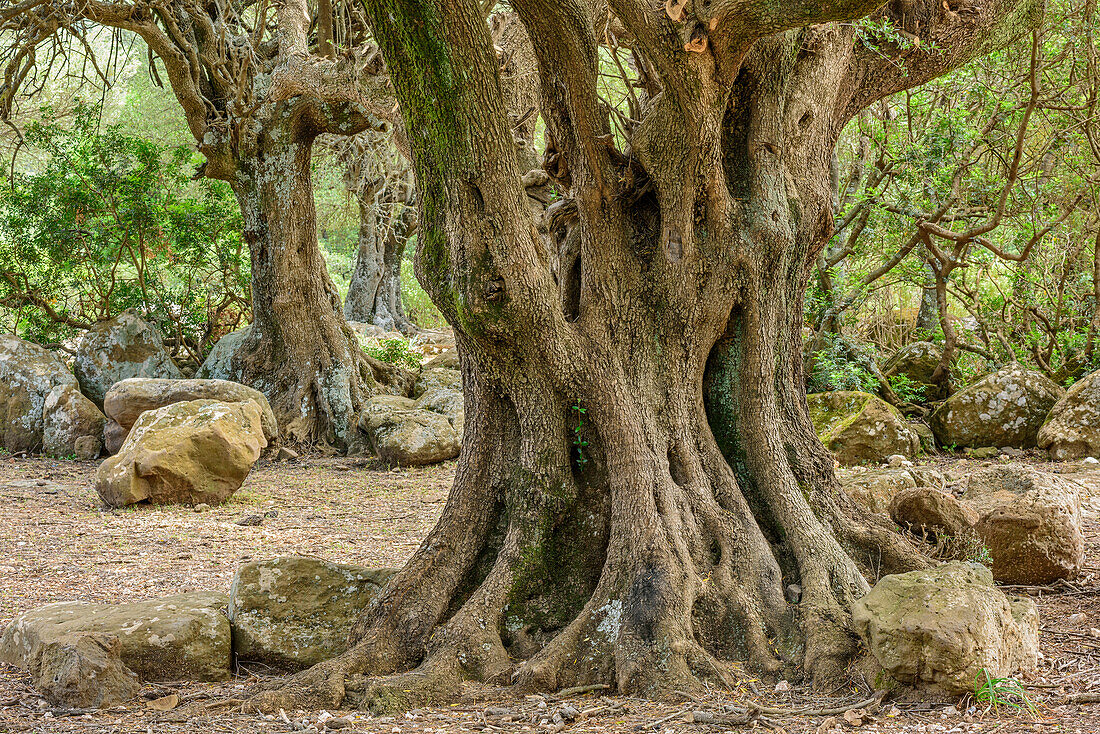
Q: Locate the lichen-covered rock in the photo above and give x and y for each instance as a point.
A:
(219, 363)
(68, 416)
(181, 637)
(1006, 408)
(128, 399)
(940, 628)
(917, 362)
(1072, 427)
(125, 346)
(932, 512)
(445, 402)
(28, 373)
(293, 612)
(438, 378)
(194, 452)
(401, 433)
(76, 670)
(860, 428)
(875, 489)
(1030, 521)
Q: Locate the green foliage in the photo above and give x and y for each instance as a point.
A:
(393, 351)
(841, 365)
(906, 389)
(578, 440)
(1002, 692)
(108, 221)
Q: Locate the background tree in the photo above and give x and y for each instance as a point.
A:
(650, 544)
(255, 96)
(381, 181)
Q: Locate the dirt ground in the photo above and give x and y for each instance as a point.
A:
(58, 544)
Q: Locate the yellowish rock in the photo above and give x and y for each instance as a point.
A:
(192, 452)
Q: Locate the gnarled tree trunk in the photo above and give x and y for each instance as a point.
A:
(641, 499)
(386, 222)
(300, 351)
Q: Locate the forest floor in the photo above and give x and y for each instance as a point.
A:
(58, 544)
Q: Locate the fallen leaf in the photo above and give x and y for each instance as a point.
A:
(164, 703)
(854, 717)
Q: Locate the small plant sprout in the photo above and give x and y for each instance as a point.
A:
(1002, 692)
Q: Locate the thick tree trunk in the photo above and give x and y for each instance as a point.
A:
(300, 351)
(374, 293)
(641, 500)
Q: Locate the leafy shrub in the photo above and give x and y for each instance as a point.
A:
(841, 365)
(106, 222)
(393, 351)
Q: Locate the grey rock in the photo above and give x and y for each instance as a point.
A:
(68, 417)
(28, 374)
(1030, 521)
(860, 428)
(128, 399)
(1006, 408)
(181, 637)
(125, 346)
(184, 453)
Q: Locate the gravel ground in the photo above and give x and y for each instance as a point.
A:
(58, 544)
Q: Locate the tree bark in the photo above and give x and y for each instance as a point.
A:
(374, 293)
(641, 499)
(300, 352)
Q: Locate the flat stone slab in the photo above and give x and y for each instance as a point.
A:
(181, 637)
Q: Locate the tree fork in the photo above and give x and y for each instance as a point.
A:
(662, 558)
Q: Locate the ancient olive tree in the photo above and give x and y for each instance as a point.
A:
(381, 181)
(255, 94)
(641, 499)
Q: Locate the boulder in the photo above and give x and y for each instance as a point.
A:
(860, 428)
(219, 363)
(128, 399)
(392, 378)
(438, 378)
(1072, 428)
(1006, 408)
(28, 373)
(125, 346)
(293, 612)
(114, 436)
(444, 360)
(940, 628)
(67, 417)
(917, 362)
(1030, 521)
(401, 433)
(181, 637)
(194, 452)
(875, 489)
(933, 512)
(77, 670)
(445, 402)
